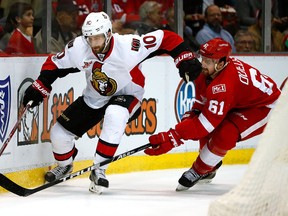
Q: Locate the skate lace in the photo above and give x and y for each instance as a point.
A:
(191, 175)
(100, 173)
(59, 170)
(97, 174)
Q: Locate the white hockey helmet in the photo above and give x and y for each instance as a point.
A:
(97, 23)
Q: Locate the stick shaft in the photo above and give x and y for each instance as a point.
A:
(21, 191)
(15, 127)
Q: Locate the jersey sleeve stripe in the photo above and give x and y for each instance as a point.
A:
(206, 124)
(254, 127)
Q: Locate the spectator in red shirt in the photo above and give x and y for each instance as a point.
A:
(21, 16)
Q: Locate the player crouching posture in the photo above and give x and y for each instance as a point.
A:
(114, 89)
(237, 100)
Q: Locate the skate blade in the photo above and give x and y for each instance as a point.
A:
(181, 188)
(97, 189)
(204, 181)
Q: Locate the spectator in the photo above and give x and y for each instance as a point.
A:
(213, 28)
(194, 16)
(126, 11)
(151, 17)
(247, 11)
(123, 13)
(194, 13)
(85, 7)
(37, 8)
(64, 27)
(277, 37)
(20, 19)
(230, 20)
(131, 8)
(244, 41)
(187, 31)
(165, 5)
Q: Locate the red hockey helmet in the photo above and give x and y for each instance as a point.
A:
(216, 48)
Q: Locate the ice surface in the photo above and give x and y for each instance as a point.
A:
(137, 194)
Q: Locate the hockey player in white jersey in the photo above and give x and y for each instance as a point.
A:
(114, 90)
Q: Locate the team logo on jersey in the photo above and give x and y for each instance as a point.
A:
(103, 84)
(5, 104)
(218, 88)
(184, 98)
(135, 45)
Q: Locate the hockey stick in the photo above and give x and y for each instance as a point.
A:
(21, 191)
(15, 127)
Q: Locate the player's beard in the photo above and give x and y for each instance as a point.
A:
(98, 49)
(205, 72)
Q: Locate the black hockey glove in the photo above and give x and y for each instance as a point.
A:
(188, 65)
(36, 92)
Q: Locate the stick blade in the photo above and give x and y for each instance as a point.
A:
(12, 186)
(24, 192)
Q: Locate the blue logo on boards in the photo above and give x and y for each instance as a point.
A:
(5, 103)
(184, 98)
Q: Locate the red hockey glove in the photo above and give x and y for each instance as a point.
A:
(163, 142)
(188, 65)
(190, 114)
(36, 92)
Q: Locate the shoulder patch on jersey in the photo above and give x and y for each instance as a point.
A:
(135, 45)
(218, 88)
(87, 64)
(70, 43)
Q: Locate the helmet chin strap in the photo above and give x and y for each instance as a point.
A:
(218, 70)
(108, 37)
(106, 43)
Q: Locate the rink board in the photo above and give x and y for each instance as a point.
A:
(160, 111)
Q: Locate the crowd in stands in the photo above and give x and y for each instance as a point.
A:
(239, 22)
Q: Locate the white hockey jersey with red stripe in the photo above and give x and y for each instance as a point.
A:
(112, 74)
(238, 86)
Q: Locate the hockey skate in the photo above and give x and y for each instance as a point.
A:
(188, 179)
(98, 180)
(209, 176)
(58, 172)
